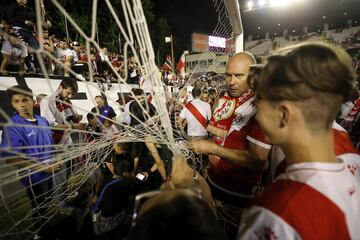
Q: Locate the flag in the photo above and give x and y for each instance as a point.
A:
(180, 67)
(167, 39)
(168, 63)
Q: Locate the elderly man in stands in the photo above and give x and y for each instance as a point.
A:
(14, 54)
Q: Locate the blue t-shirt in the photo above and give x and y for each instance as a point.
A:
(19, 138)
(105, 111)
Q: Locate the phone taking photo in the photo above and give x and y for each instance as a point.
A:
(140, 176)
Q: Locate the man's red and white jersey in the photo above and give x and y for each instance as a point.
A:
(234, 179)
(344, 151)
(309, 201)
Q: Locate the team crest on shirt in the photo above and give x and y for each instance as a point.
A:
(31, 133)
(238, 119)
(353, 168)
(224, 109)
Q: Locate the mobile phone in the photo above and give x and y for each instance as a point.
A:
(140, 176)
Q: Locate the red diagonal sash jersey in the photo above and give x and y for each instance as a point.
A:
(309, 201)
(201, 119)
(230, 178)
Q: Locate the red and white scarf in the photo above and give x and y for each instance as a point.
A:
(226, 110)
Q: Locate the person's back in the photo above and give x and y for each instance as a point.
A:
(197, 114)
(113, 203)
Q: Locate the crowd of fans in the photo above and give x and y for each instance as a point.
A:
(19, 39)
(142, 191)
(269, 160)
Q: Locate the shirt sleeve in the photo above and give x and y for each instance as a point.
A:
(10, 139)
(183, 113)
(256, 134)
(46, 112)
(260, 223)
(24, 52)
(112, 112)
(6, 48)
(208, 112)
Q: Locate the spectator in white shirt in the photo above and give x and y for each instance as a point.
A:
(196, 120)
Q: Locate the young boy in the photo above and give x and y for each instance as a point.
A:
(300, 91)
(29, 147)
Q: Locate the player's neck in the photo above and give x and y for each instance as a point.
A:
(27, 116)
(311, 148)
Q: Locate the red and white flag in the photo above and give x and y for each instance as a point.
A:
(168, 63)
(180, 67)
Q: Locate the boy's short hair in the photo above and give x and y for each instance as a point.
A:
(90, 116)
(138, 92)
(70, 83)
(17, 89)
(318, 77)
(254, 75)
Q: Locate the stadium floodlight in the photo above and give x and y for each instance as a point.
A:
(250, 4)
(262, 3)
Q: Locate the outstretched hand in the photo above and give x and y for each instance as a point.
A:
(201, 146)
(181, 172)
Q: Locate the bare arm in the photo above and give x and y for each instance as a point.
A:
(136, 164)
(4, 63)
(181, 122)
(160, 164)
(254, 157)
(21, 66)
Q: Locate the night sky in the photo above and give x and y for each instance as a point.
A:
(186, 17)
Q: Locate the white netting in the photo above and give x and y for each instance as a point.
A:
(80, 160)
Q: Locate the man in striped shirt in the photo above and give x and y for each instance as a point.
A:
(317, 197)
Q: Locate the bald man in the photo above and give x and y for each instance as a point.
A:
(237, 150)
